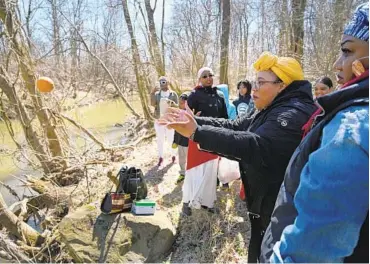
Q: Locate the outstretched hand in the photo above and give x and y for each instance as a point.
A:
(180, 120)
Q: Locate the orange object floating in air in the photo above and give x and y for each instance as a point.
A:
(45, 84)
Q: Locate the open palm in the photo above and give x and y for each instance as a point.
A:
(180, 120)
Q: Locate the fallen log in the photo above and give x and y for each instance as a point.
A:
(50, 195)
(17, 227)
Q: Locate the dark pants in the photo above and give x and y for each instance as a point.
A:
(260, 199)
(257, 231)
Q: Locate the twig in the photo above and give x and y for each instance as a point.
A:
(133, 145)
(86, 131)
(87, 183)
(12, 249)
(10, 189)
(94, 162)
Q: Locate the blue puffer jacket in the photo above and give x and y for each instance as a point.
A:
(231, 110)
(324, 199)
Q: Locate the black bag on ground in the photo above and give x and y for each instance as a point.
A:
(115, 202)
(131, 181)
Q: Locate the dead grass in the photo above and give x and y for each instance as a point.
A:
(220, 238)
(202, 237)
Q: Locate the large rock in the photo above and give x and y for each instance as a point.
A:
(94, 237)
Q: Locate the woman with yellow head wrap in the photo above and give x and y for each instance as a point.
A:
(286, 68)
(264, 143)
(274, 74)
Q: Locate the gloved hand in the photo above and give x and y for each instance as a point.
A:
(174, 145)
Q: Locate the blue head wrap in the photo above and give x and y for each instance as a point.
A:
(358, 27)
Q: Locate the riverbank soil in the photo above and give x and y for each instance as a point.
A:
(202, 237)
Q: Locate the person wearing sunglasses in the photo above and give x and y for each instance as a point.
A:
(262, 143)
(199, 189)
(322, 210)
(161, 99)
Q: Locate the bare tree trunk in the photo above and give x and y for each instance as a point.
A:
(283, 28)
(56, 31)
(225, 34)
(136, 63)
(157, 57)
(337, 26)
(31, 135)
(162, 39)
(26, 68)
(298, 8)
(263, 37)
(28, 18)
(241, 51)
(245, 42)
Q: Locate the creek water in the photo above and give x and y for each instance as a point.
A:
(112, 136)
(100, 118)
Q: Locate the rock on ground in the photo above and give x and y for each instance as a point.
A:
(90, 236)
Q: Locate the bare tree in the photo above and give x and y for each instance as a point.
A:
(284, 28)
(192, 41)
(153, 39)
(56, 30)
(323, 31)
(26, 64)
(225, 34)
(137, 63)
(297, 33)
(162, 32)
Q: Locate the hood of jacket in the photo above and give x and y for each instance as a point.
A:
(225, 91)
(300, 89)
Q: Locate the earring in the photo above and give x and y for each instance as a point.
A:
(357, 68)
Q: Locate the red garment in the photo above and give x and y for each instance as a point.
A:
(242, 192)
(197, 157)
(307, 127)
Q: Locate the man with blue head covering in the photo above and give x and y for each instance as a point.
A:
(322, 210)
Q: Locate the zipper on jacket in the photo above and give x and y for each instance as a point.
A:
(319, 115)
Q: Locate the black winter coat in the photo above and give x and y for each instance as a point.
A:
(263, 143)
(208, 101)
(180, 140)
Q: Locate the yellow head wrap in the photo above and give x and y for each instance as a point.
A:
(286, 68)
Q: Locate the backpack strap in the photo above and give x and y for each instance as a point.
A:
(122, 174)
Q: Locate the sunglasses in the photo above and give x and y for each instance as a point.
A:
(206, 76)
(162, 82)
